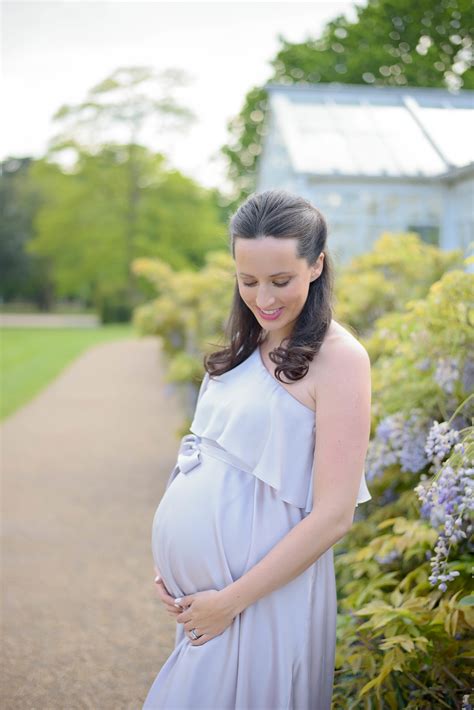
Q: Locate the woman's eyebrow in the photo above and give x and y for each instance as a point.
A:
(280, 273)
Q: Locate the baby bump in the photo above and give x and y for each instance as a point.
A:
(202, 528)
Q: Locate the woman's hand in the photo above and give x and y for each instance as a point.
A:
(207, 612)
(165, 596)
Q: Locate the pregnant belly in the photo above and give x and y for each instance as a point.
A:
(202, 529)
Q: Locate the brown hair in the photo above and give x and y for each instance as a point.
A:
(280, 214)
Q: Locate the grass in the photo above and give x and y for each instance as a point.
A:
(32, 357)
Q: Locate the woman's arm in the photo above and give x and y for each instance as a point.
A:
(343, 431)
(300, 548)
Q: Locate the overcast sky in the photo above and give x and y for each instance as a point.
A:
(53, 52)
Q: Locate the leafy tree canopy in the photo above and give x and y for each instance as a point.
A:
(83, 221)
(391, 43)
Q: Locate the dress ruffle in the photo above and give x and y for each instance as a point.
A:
(275, 439)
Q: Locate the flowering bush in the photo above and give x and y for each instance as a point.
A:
(399, 268)
(404, 571)
(188, 312)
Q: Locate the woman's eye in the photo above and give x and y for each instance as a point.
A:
(276, 284)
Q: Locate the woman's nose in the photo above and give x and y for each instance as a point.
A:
(264, 301)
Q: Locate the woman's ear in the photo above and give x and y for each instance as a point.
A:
(320, 262)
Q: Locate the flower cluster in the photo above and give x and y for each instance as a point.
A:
(447, 373)
(440, 441)
(413, 442)
(468, 375)
(388, 558)
(447, 501)
(423, 364)
(398, 440)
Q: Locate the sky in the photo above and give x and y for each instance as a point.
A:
(54, 52)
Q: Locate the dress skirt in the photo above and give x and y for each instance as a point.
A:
(215, 522)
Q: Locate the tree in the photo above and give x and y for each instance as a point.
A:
(391, 43)
(22, 275)
(122, 106)
(82, 224)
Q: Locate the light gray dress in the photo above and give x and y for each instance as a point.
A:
(242, 480)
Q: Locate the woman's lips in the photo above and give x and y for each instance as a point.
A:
(268, 316)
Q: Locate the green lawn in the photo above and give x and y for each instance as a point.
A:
(32, 357)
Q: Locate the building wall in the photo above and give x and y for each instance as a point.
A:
(458, 215)
(359, 211)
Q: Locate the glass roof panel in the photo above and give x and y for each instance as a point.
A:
(451, 129)
(366, 137)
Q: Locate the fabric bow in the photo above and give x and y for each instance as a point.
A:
(189, 454)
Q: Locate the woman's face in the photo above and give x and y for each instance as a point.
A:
(271, 277)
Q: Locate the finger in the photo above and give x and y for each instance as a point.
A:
(159, 583)
(201, 640)
(183, 606)
(183, 617)
(165, 600)
(171, 607)
(164, 593)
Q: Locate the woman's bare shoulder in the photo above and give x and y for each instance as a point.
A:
(339, 346)
(339, 338)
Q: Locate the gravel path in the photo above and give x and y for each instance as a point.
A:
(84, 466)
(48, 320)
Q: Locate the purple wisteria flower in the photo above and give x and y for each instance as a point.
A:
(398, 439)
(440, 441)
(423, 364)
(388, 558)
(448, 503)
(412, 452)
(468, 375)
(447, 373)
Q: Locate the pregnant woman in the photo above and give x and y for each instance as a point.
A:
(266, 482)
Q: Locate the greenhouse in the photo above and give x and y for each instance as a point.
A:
(374, 159)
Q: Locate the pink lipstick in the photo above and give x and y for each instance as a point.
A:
(270, 316)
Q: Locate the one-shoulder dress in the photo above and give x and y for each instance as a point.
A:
(243, 478)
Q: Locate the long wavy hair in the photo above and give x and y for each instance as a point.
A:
(280, 214)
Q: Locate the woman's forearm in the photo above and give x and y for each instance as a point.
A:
(294, 553)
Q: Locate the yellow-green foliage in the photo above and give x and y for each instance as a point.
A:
(403, 643)
(399, 268)
(189, 311)
(439, 326)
